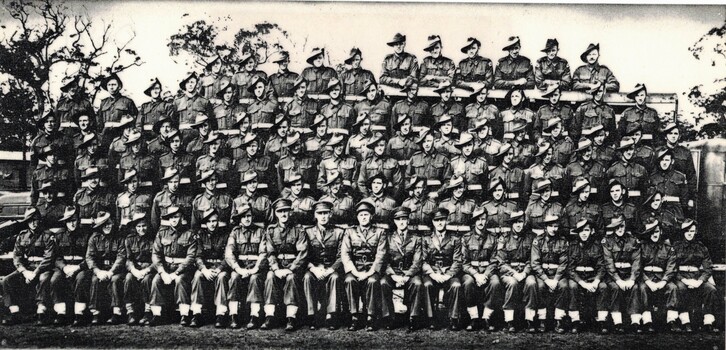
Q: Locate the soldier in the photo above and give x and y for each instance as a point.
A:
(189, 105)
(513, 70)
(377, 162)
(617, 205)
(297, 161)
(418, 202)
(302, 203)
(551, 69)
(287, 249)
(338, 161)
(401, 271)
(621, 251)
(243, 79)
(118, 148)
(362, 135)
(672, 184)
(106, 258)
(546, 169)
(177, 158)
(113, 108)
(481, 282)
(246, 256)
(473, 168)
(458, 205)
(444, 138)
(641, 114)
(562, 145)
(153, 111)
(602, 151)
(173, 256)
(435, 69)
(400, 67)
(252, 160)
(316, 144)
(632, 175)
(259, 203)
(92, 198)
(474, 69)
(583, 165)
(146, 165)
(485, 144)
(517, 113)
(376, 105)
(363, 251)
(659, 268)
(227, 110)
(696, 287)
(541, 206)
(481, 113)
(524, 147)
(51, 169)
(131, 201)
(384, 204)
(264, 105)
(580, 207)
(644, 154)
(323, 280)
(338, 113)
(442, 259)
(592, 75)
(356, 79)
(241, 131)
(212, 270)
(498, 207)
(413, 106)
(84, 130)
(342, 202)
(33, 258)
(48, 135)
(140, 272)
(282, 81)
(682, 157)
(586, 273)
(520, 286)
(73, 103)
(428, 162)
(402, 145)
(550, 260)
(214, 160)
(72, 274)
(163, 127)
(202, 127)
(169, 196)
(555, 109)
(211, 198)
(593, 113)
(510, 175)
(317, 75)
(668, 222)
(301, 109)
(274, 148)
(213, 81)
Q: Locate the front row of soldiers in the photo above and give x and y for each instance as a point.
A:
(360, 275)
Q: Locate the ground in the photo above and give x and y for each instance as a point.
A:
(171, 336)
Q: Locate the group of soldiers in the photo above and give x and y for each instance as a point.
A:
(315, 198)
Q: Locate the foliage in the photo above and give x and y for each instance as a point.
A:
(711, 97)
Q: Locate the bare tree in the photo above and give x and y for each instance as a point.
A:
(711, 96)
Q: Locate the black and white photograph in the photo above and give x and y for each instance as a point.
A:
(377, 175)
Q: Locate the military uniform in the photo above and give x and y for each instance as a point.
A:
(659, 264)
(441, 256)
(379, 110)
(432, 166)
(219, 201)
(592, 170)
(550, 111)
(417, 110)
(421, 210)
(346, 166)
(474, 170)
(538, 209)
(460, 210)
(158, 146)
(550, 260)
(183, 162)
(648, 119)
(397, 67)
(186, 109)
(517, 115)
(605, 154)
(683, 162)
(645, 156)
(71, 249)
(222, 166)
(375, 164)
(211, 256)
(317, 78)
(246, 250)
(445, 145)
(693, 261)
(401, 147)
(287, 248)
(301, 111)
(524, 152)
(478, 250)
(128, 203)
(260, 164)
(612, 210)
(68, 109)
(384, 207)
(196, 146)
(324, 245)
(302, 207)
(226, 114)
(342, 209)
(302, 164)
(339, 116)
(89, 202)
(405, 258)
(147, 168)
(34, 251)
(260, 205)
(475, 69)
(633, 176)
(110, 111)
(283, 82)
(586, 265)
(673, 185)
(553, 172)
(275, 150)
(557, 69)
(364, 250)
(591, 114)
(262, 110)
(509, 69)
(151, 112)
(106, 252)
(212, 83)
(440, 67)
(354, 81)
(166, 199)
(105, 171)
(513, 256)
(487, 148)
(587, 74)
(174, 252)
(357, 146)
(498, 212)
(138, 256)
(622, 262)
(61, 178)
(513, 182)
(476, 112)
(577, 210)
(244, 78)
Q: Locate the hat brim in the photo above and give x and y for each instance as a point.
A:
(583, 56)
(631, 95)
(396, 42)
(466, 48)
(312, 59)
(510, 46)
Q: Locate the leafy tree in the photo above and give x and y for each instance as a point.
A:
(711, 97)
(16, 104)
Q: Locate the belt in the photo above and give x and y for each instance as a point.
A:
(458, 228)
(378, 128)
(474, 187)
(219, 185)
(513, 195)
(538, 231)
(146, 183)
(347, 183)
(175, 260)
(517, 264)
(491, 167)
(213, 261)
(672, 199)
(248, 257)
(433, 182)
(653, 269)
(184, 180)
(111, 124)
(72, 257)
(633, 193)
(508, 135)
(286, 256)
(61, 194)
(418, 128)
(584, 269)
(593, 190)
(403, 162)
(148, 127)
(229, 131)
(622, 265)
(86, 221)
(55, 229)
(338, 131)
(166, 222)
(261, 125)
(68, 125)
(480, 263)
(646, 137)
(550, 266)
(555, 193)
(301, 130)
(59, 162)
(246, 100)
(185, 126)
(382, 226)
(499, 229)
(688, 268)
(219, 224)
(35, 258)
(423, 228)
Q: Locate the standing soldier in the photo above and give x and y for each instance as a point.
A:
(546, 169)
(480, 113)
(211, 198)
(472, 168)
(339, 114)
(435, 69)
(173, 256)
(448, 106)
(652, 209)
(632, 175)
(252, 160)
(581, 207)
(356, 79)
(323, 280)
(641, 114)
(106, 258)
(551, 69)
(177, 159)
(51, 169)
(672, 184)
(413, 106)
(163, 127)
(458, 204)
(622, 262)
(587, 273)
(84, 130)
(169, 196)
(485, 144)
(274, 148)
(400, 67)
(339, 162)
(644, 154)
(212, 269)
(617, 206)
(362, 135)
(659, 269)
(481, 282)
(384, 205)
(419, 204)
(73, 103)
(402, 145)
(48, 135)
(342, 201)
(212, 82)
(513, 70)
(249, 195)
(282, 81)
(196, 146)
(51, 208)
(541, 206)
(72, 274)
(510, 175)
(317, 76)
(214, 160)
(137, 284)
(378, 162)
(131, 201)
(441, 252)
(593, 75)
(428, 162)
(113, 108)
(444, 136)
(302, 203)
(594, 113)
(153, 111)
(474, 71)
(246, 256)
(517, 113)
(243, 79)
(498, 207)
(682, 158)
(118, 148)
(297, 161)
(92, 198)
(363, 252)
(376, 106)
(602, 151)
(583, 165)
(147, 166)
(264, 105)
(301, 109)
(241, 129)
(562, 145)
(188, 105)
(287, 250)
(225, 113)
(555, 109)
(34, 255)
(550, 259)
(524, 147)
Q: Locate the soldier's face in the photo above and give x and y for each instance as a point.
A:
(284, 63)
(173, 183)
(214, 147)
(406, 126)
(398, 48)
(296, 188)
(107, 227)
(244, 125)
(514, 52)
(586, 154)
(33, 224)
(365, 126)
(509, 156)
(191, 85)
(204, 129)
(259, 89)
(547, 157)
(252, 148)
(71, 225)
(335, 92)
(673, 136)
(467, 149)
(212, 223)
(446, 128)
(380, 147)
(322, 129)
(165, 128)
(93, 183)
(458, 192)
(296, 148)
(377, 186)
(322, 217)
(666, 161)
(174, 220)
(301, 90)
(372, 92)
(282, 216)
(655, 236)
(250, 65)
(439, 224)
(482, 96)
(640, 97)
(599, 138)
(49, 124)
(555, 97)
(481, 222)
(585, 193)
(155, 91)
(355, 63)
(252, 186)
(616, 192)
(498, 192)
(656, 201)
(428, 142)
(552, 53)
(112, 87)
(246, 219)
(517, 226)
(175, 144)
(136, 147)
(593, 56)
(690, 234)
(628, 153)
(552, 228)
(556, 130)
(45, 195)
(283, 129)
(141, 228)
(436, 51)
(338, 149)
(585, 233)
(620, 230)
(515, 98)
(335, 187)
(211, 183)
(412, 91)
(446, 95)
(401, 223)
(217, 66)
(364, 218)
(473, 50)
(419, 188)
(546, 194)
(636, 136)
(83, 122)
(132, 185)
(318, 61)
(228, 93)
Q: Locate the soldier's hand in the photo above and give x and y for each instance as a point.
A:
(552, 284)
(29, 275)
(690, 203)
(401, 82)
(652, 285)
(592, 287)
(697, 283)
(661, 285)
(480, 279)
(520, 276)
(208, 274)
(584, 285)
(175, 277)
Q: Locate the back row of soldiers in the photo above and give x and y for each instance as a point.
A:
(225, 147)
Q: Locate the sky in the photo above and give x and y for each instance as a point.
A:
(640, 44)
